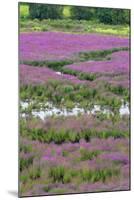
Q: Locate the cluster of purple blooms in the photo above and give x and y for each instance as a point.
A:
(58, 45)
(119, 63)
(40, 75)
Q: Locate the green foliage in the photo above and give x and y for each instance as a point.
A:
(57, 173)
(64, 175)
(66, 11)
(68, 88)
(113, 16)
(69, 25)
(67, 177)
(24, 11)
(57, 64)
(98, 174)
(25, 162)
(70, 71)
(119, 90)
(99, 55)
(52, 135)
(79, 13)
(34, 173)
(24, 178)
(65, 153)
(54, 92)
(88, 155)
(69, 105)
(25, 148)
(86, 76)
(44, 11)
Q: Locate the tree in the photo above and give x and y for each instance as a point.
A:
(113, 16)
(79, 13)
(45, 11)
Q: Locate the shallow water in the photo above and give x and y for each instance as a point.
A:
(51, 110)
(59, 73)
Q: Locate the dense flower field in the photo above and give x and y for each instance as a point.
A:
(55, 45)
(80, 84)
(118, 64)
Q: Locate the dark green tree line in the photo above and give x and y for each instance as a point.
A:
(103, 15)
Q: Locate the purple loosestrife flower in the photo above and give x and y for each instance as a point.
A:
(116, 157)
(40, 75)
(119, 63)
(58, 45)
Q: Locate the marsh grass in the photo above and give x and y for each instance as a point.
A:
(98, 175)
(61, 136)
(25, 162)
(88, 155)
(64, 175)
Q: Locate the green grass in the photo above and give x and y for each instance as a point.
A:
(99, 55)
(88, 155)
(98, 175)
(25, 162)
(54, 91)
(64, 175)
(61, 136)
(72, 26)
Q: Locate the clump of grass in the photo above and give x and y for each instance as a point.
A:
(70, 71)
(67, 178)
(64, 175)
(55, 64)
(65, 153)
(34, 173)
(52, 135)
(99, 55)
(87, 76)
(25, 162)
(26, 148)
(30, 174)
(98, 175)
(57, 173)
(24, 178)
(119, 90)
(88, 155)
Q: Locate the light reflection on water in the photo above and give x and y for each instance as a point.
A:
(51, 110)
